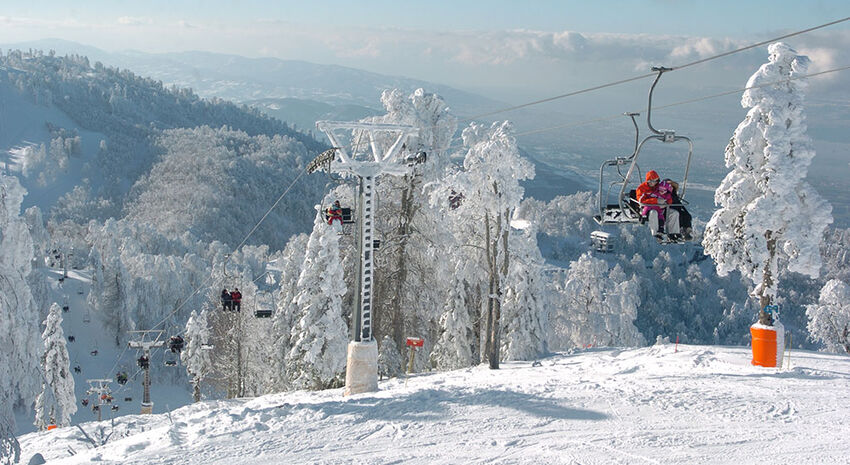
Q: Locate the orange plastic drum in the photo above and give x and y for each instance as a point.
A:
(764, 346)
(50, 427)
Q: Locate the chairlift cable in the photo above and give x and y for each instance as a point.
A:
(682, 102)
(244, 240)
(636, 78)
(643, 76)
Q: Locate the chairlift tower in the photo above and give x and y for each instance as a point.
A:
(362, 362)
(99, 387)
(146, 346)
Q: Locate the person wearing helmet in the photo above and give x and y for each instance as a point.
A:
(654, 199)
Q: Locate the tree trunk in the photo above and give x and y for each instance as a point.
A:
(491, 278)
(395, 307)
(196, 389)
(767, 281)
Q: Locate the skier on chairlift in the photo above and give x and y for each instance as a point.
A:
(654, 197)
(236, 300)
(176, 344)
(122, 378)
(226, 301)
(685, 218)
(335, 215)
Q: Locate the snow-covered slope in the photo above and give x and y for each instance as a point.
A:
(94, 352)
(699, 404)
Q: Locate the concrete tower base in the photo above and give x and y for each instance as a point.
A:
(361, 372)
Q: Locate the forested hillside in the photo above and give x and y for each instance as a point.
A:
(129, 113)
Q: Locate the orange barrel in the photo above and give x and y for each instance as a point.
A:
(764, 345)
(50, 427)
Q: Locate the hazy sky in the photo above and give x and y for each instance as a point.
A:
(508, 49)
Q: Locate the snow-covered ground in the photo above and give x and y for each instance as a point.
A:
(700, 404)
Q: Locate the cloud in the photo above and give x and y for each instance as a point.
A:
(134, 20)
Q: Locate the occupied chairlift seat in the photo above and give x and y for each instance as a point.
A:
(347, 215)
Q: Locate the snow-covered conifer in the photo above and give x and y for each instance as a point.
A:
(56, 402)
(768, 213)
(319, 339)
(829, 319)
(286, 314)
(524, 306)
(453, 349)
(196, 352)
(19, 359)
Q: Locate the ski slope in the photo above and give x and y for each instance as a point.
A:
(97, 356)
(653, 405)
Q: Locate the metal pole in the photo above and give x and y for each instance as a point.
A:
(366, 229)
(357, 316)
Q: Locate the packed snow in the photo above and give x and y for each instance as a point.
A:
(661, 404)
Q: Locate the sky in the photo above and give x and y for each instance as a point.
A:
(503, 49)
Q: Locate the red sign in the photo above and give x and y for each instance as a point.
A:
(415, 341)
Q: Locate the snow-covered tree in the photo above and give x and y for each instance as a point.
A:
(768, 213)
(490, 185)
(598, 307)
(524, 307)
(196, 352)
(56, 402)
(319, 339)
(19, 359)
(454, 348)
(409, 228)
(286, 312)
(829, 319)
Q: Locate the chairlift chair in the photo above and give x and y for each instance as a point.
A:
(625, 209)
(264, 304)
(602, 241)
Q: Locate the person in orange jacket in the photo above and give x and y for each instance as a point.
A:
(653, 200)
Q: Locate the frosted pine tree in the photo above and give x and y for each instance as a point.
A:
(320, 337)
(829, 319)
(768, 213)
(524, 308)
(453, 349)
(19, 331)
(56, 402)
(196, 355)
(286, 314)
